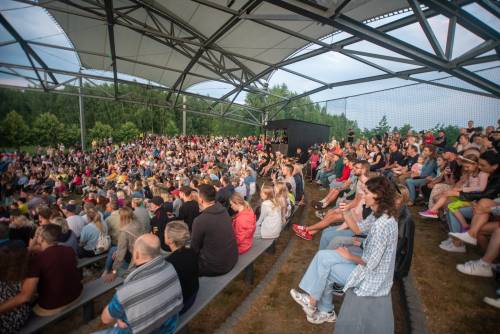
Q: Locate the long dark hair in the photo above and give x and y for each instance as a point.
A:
(13, 264)
(386, 196)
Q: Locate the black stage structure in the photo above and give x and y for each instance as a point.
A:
(299, 134)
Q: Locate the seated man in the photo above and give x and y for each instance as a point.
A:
(213, 236)
(151, 297)
(52, 273)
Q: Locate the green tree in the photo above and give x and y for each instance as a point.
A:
(382, 127)
(13, 130)
(100, 131)
(71, 134)
(47, 130)
(127, 132)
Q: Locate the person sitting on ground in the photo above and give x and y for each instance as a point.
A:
(213, 237)
(119, 256)
(92, 233)
(75, 221)
(132, 309)
(244, 222)
(13, 268)
(67, 237)
(268, 225)
(184, 260)
(52, 273)
(369, 273)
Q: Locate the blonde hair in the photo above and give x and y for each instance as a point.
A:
(60, 221)
(268, 194)
(178, 232)
(126, 216)
(237, 199)
(281, 194)
(94, 217)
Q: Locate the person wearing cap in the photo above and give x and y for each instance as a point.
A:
(75, 222)
(159, 220)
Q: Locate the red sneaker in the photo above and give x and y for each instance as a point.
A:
(297, 228)
(304, 234)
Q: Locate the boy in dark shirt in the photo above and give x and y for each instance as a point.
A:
(189, 209)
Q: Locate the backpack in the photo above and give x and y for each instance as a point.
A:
(103, 243)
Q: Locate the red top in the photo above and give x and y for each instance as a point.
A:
(244, 228)
(346, 171)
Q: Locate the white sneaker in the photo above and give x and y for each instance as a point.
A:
(492, 301)
(446, 242)
(476, 268)
(303, 300)
(465, 237)
(452, 248)
(320, 317)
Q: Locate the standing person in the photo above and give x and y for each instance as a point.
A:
(184, 260)
(243, 222)
(141, 214)
(299, 183)
(52, 273)
(133, 309)
(213, 237)
(288, 178)
(189, 209)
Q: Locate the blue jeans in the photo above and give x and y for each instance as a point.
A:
(453, 223)
(327, 267)
(331, 232)
(412, 185)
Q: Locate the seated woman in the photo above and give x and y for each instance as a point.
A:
(95, 231)
(270, 219)
(13, 267)
(119, 256)
(184, 260)
(369, 273)
(378, 160)
(243, 222)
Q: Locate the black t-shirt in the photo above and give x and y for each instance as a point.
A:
(188, 212)
(185, 263)
(59, 280)
(409, 161)
(397, 157)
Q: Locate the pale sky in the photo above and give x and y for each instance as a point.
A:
(422, 105)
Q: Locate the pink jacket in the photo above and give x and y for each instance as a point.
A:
(244, 228)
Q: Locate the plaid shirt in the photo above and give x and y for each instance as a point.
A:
(379, 253)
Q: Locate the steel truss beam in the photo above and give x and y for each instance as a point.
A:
(370, 34)
(120, 81)
(28, 50)
(111, 36)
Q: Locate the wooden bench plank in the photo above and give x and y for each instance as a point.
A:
(90, 291)
(212, 286)
(86, 261)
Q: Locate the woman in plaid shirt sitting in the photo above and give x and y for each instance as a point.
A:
(368, 271)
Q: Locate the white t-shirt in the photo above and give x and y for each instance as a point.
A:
(76, 224)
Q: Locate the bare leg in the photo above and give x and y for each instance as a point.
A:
(493, 247)
(440, 203)
(484, 235)
(481, 215)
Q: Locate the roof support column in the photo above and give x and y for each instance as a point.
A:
(111, 35)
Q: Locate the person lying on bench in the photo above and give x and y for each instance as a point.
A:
(150, 298)
(213, 236)
(52, 273)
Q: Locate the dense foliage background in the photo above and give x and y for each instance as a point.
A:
(33, 118)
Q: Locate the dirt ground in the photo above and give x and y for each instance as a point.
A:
(452, 301)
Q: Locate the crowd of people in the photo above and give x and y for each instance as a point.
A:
(167, 210)
(369, 183)
(185, 199)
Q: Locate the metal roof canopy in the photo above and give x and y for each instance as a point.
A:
(179, 43)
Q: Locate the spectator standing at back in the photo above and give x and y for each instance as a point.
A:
(52, 273)
(133, 309)
(141, 214)
(213, 237)
(159, 220)
(288, 178)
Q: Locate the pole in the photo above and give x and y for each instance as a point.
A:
(82, 116)
(183, 115)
